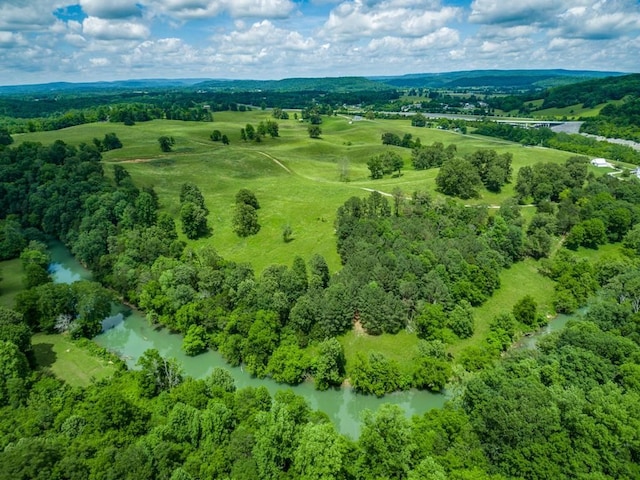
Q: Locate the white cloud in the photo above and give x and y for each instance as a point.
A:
(598, 23)
(10, 39)
(445, 38)
(400, 18)
(75, 39)
(515, 12)
(161, 55)
(102, 29)
(262, 34)
(198, 9)
(572, 18)
(51, 39)
(110, 8)
(25, 15)
(99, 62)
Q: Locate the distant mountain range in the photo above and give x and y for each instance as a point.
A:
(523, 79)
(61, 87)
(505, 79)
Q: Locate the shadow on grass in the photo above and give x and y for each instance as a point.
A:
(45, 356)
(162, 162)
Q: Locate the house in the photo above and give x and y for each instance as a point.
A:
(600, 162)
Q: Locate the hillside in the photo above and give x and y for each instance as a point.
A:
(592, 92)
(505, 79)
(326, 84)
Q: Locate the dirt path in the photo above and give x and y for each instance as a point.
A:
(358, 328)
(384, 194)
(278, 162)
(137, 160)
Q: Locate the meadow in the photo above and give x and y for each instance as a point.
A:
(300, 182)
(11, 282)
(71, 363)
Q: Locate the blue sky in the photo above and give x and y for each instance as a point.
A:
(89, 40)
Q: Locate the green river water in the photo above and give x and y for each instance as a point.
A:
(128, 334)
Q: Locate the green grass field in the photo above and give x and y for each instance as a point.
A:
(571, 112)
(515, 282)
(67, 361)
(296, 179)
(401, 347)
(10, 281)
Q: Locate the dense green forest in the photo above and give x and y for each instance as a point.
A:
(592, 92)
(493, 81)
(568, 409)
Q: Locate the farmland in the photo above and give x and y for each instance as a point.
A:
(299, 181)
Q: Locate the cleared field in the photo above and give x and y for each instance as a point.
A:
(572, 111)
(10, 281)
(400, 347)
(69, 362)
(516, 282)
(298, 180)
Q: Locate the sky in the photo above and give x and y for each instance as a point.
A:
(91, 40)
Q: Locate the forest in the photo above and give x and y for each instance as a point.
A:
(419, 262)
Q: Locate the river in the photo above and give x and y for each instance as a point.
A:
(128, 334)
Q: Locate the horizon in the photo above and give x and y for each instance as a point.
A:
(86, 41)
(195, 81)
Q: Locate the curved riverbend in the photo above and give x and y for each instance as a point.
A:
(128, 334)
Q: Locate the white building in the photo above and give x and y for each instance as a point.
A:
(600, 162)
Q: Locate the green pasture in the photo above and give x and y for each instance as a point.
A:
(520, 279)
(610, 251)
(69, 362)
(298, 181)
(572, 111)
(10, 281)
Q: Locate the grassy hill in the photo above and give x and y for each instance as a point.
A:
(296, 179)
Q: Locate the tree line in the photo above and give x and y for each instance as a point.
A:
(561, 141)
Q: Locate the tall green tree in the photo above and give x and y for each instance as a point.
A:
(93, 305)
(166, 143)
(245, 220)
(458, 177)
(14, 369)
(385, 443)
(320, 453)
(194, 220)
(157, 374)
(329, 367)
(314, 131)
(247, 197)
